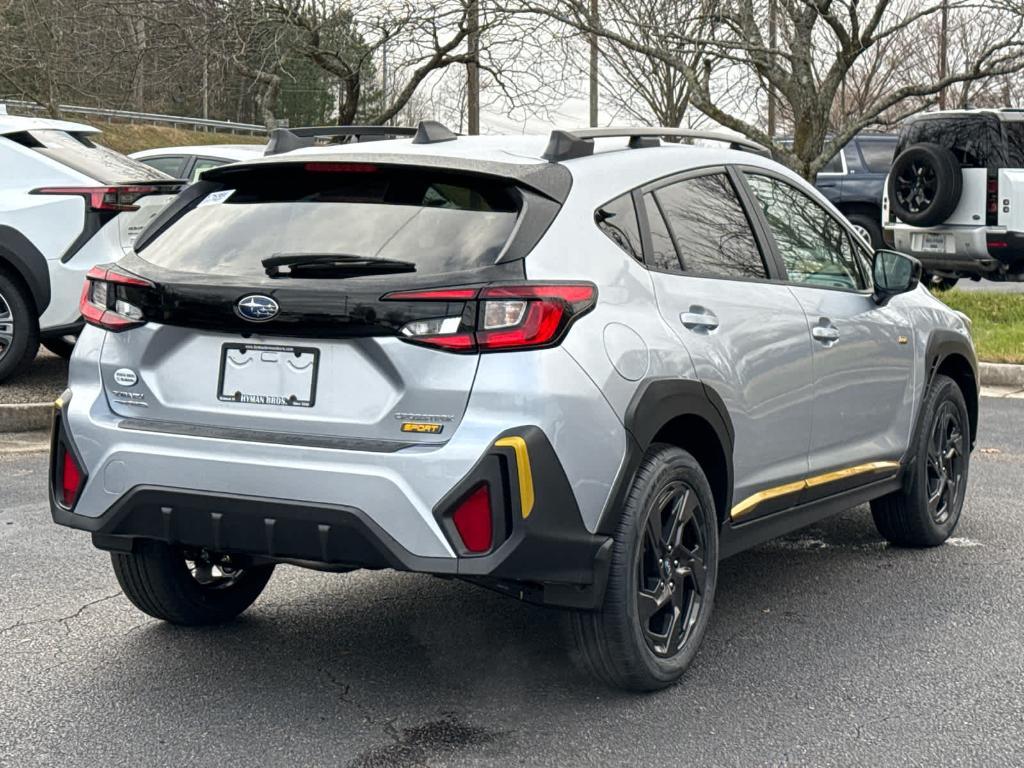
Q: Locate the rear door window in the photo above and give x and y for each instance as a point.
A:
(710, 229)
(204, 164)
(663, 250)
(440, 222)
(78, 152)
(877, 154)
(169, 164)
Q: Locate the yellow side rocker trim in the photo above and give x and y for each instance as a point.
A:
(523, 471)
(749, 503)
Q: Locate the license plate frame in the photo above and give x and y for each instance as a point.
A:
(303, 398)
(933, 243)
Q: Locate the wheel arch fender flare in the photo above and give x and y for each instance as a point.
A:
(656, 408)
(20, 256)
(950, 353)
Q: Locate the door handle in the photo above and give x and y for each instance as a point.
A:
(699, 319)
(825, 332)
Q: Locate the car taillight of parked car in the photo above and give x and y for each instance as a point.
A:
(117, 198)
(104, 303)
(506, 317)
(992, 209)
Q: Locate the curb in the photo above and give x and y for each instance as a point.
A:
(25, 417)
(1001, 375)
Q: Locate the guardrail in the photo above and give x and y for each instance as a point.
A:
(196, 123)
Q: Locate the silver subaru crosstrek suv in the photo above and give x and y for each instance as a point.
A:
(578, 369)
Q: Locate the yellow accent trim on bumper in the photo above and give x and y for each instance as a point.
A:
(523, 471)
(749, 503)
(58, 403)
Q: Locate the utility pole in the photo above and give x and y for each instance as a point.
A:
(943, 50)
(593, 65)
(773, 35)
(473, 70)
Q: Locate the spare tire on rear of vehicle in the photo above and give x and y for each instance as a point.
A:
(925, 183)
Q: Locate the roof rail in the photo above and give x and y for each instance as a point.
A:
(287, 139)
(566, 145)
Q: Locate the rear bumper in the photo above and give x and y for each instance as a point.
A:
(970, 250)
(545, 556)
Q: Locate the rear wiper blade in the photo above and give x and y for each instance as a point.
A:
(331, 265)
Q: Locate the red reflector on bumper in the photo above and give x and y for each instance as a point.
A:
(473, 520)
(70, 480)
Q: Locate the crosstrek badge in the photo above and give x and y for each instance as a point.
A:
(417, 426)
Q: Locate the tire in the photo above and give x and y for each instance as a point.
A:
(912, 517)
(19, 328)
(61, 346)
(613, 643)
(925, 184)
(868, 226)
(158, 580)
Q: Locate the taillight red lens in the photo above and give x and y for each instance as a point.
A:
(473, 520)
(102, 304)
(993, 196)
(70, 480)
(114, 198)
(509, 317)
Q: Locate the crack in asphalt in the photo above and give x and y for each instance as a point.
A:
(62, 620)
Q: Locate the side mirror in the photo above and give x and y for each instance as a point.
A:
(894, 273)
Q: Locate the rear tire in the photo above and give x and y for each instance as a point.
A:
(19, 328)
(925, 184)
(158, 579)
(664, 568)
(939, 283)
(926, 513)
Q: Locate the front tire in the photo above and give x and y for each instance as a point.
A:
(187, 588)
(926, 513)
(869, 228)
(662, 578)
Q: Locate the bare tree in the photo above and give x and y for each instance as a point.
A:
(821, 43)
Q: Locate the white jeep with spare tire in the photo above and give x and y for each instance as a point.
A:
(955, 194)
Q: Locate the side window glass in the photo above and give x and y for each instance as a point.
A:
(204, 164)
(171, 164)
(835, 165)
(617, 219)
(663, 251)
(711, 230)
(814, 247)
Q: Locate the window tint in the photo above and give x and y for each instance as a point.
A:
(835, 165)
(976, 141)
(877, 154)
(711, 231)
(171, 165)
(663, 250)
(441, 222)
(1015, 142)
(617, 219)
(815, 248)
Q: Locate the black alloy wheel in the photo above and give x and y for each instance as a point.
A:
(671, 572)
(946, 461)
(916, 185)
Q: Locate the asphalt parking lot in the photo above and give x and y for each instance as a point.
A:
(827, 648)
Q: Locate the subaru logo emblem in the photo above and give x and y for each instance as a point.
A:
(257, 309)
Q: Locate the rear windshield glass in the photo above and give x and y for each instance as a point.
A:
(1015, 142)
(77, 151)
(977, 142)
(440, 222)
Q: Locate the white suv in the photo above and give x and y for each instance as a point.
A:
(66, 204)
(955, 194)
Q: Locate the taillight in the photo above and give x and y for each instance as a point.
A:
(70, 479)
(508, 317)
(992, 208)
(104, 303)
(114, 198)
(472, 519)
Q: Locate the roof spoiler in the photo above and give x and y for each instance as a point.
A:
(287, 139)
(567, 145)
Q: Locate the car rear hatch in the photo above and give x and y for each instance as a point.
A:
(287, 299)
(123, 189)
